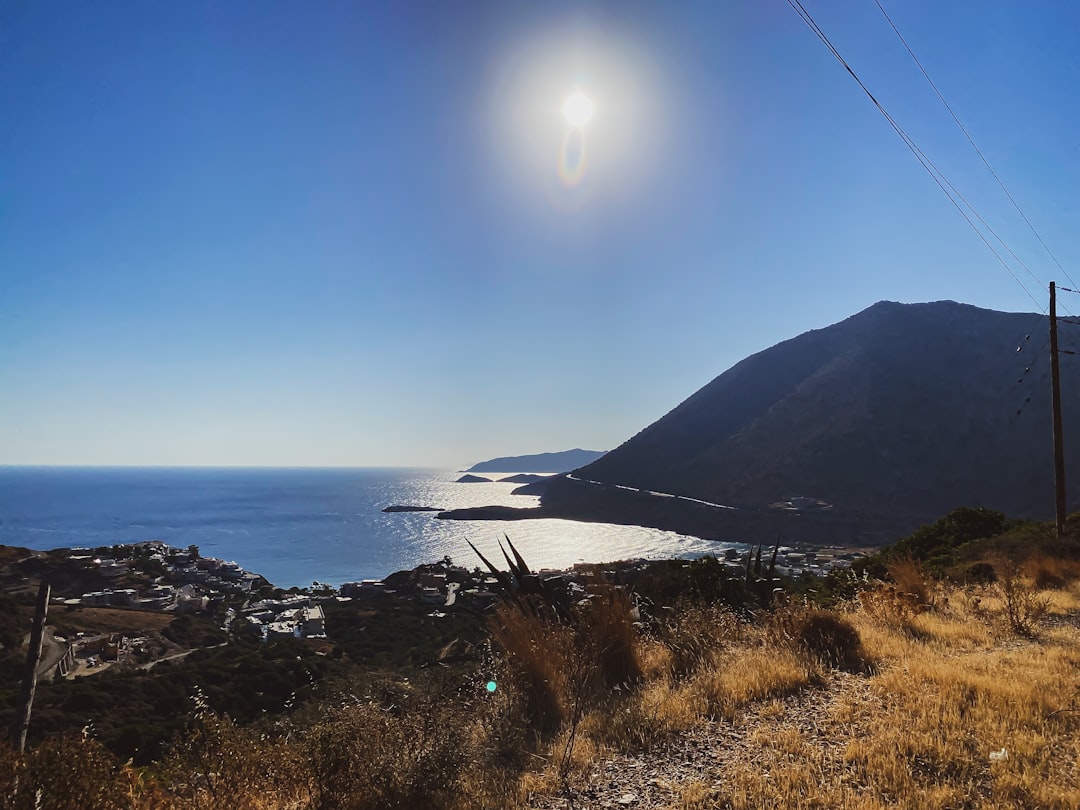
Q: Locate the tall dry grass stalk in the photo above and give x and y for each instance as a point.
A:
(537, 653)
(607, 639)
(910, 580)
(1024, 606)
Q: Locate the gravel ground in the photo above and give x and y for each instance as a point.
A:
(707, 751)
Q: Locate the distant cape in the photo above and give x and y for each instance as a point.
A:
(564, 461)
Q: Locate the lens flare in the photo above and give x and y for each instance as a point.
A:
(491, 686)
(571, 163)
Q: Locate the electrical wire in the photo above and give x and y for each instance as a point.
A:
(971, 140)
(936, 175)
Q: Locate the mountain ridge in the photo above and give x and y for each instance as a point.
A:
(894, 415)
(557, 462)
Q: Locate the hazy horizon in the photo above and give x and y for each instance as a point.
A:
(282, 235)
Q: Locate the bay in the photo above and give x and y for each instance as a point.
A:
(299, 525)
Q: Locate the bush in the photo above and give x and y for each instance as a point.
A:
(64, 772)
(219, 764)
(979, 573)
(693, 632)
(1024, 606)
(891, 607)
(367, 758)
(824, 636)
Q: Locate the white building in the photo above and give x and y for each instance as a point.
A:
(312, 621)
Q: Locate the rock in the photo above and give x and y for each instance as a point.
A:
(492, 513)
(473, 479)
(397, 507)
(523, 478)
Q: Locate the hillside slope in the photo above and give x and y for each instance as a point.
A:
(905, 410)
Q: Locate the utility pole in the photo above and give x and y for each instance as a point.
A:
(29, 683)
(1059, 446)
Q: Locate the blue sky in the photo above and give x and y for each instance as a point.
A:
(334, 233)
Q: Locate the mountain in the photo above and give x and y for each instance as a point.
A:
(891, 417)
(539, 462)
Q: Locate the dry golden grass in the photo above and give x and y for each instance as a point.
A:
(113, 620)
(910, 580)
(745, 676)
(637, 721)
(1064, 601)
(939, 714)
(947, 688)
(1048, 572)
(921, 735)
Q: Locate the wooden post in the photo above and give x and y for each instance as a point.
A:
(1059, 445)
(29, 682)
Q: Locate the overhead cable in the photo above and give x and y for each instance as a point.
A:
(971, 140)
(927, 164)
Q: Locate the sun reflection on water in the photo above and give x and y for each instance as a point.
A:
(545, 543)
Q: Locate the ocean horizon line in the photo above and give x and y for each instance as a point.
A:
(432, 467)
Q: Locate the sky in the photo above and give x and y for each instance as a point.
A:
(363, 234)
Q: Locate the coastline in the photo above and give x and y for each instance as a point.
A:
(298, 526)
(566, 498)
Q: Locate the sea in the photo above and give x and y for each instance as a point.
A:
(297, 526)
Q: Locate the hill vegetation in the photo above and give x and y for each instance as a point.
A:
(947, 681)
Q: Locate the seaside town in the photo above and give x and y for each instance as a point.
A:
(152, 577)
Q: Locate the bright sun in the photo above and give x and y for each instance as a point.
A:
(578, 109)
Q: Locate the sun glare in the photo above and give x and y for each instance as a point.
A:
(578, 110)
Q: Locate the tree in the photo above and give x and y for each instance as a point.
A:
(193, 552)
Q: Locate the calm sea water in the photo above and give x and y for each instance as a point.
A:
(296, 526)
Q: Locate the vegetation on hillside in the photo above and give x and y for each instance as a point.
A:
(906, 682)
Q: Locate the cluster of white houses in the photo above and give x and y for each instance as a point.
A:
(183, 599)
(293, 617)
(189, 583)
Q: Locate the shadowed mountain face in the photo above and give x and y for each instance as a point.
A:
(903, 410)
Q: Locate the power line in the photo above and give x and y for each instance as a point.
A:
(971, 140)
(936, 175)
